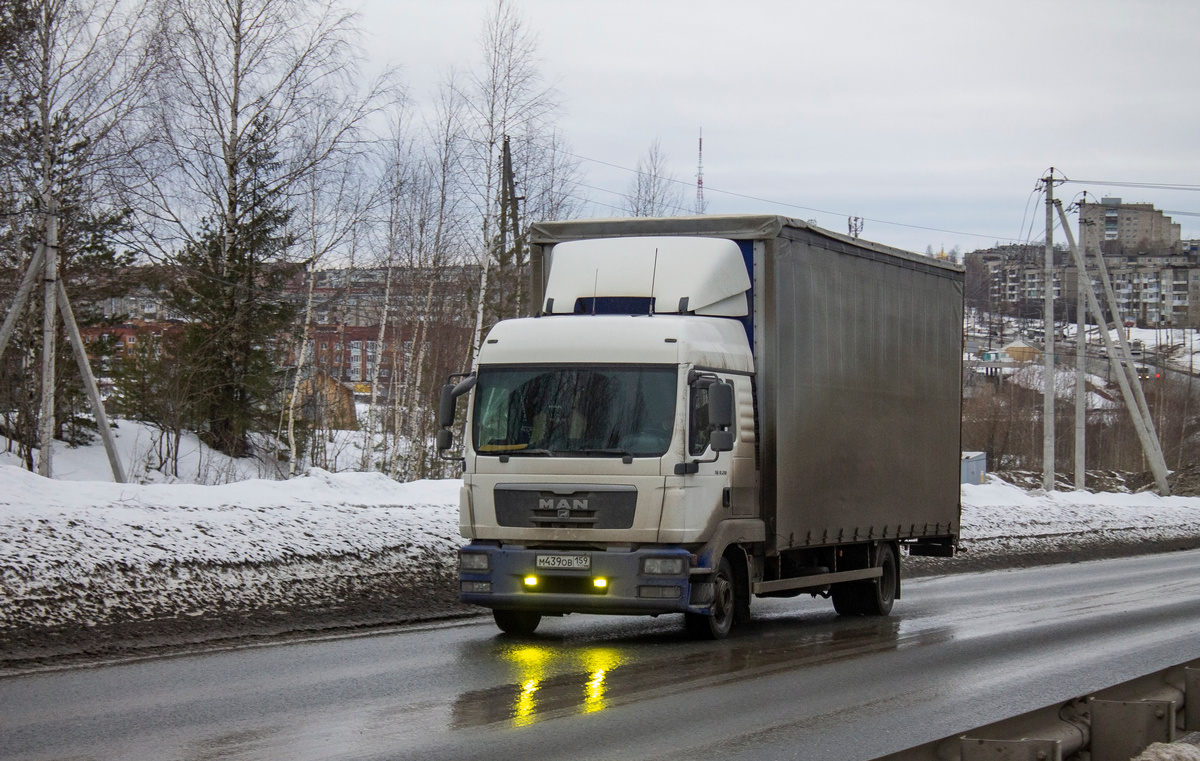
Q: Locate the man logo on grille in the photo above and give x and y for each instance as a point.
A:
(563, 506)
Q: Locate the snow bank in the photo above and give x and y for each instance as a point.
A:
(94, 552)
(999, 515)
(80, 526)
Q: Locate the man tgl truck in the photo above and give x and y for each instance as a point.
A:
(706, 409)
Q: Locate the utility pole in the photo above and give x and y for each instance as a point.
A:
(510, 210)
(1080, 381)
(49, 334)
(1122, 365)
(44, 262)
(1048, 348)
(502, 208)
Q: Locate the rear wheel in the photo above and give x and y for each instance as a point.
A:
(874, 597)
(847, 598)
(519, 622)
(717, 625)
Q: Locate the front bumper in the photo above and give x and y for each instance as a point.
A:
(627, 591)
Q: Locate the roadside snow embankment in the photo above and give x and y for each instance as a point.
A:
(92, 553)
(1000, 513)
(1005, 526)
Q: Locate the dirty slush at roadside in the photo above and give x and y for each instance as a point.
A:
(114, 611)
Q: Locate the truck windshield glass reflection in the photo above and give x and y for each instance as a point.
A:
(592, 411)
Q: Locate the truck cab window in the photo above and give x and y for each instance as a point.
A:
(699, 428)
(575, 410)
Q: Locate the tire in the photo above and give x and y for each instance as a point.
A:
(520, 623)
(847, 598)
(724, 607)
(874, 597)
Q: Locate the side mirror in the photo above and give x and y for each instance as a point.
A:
(720, 406)
(450, 394)
(721, 441)
(446, 408)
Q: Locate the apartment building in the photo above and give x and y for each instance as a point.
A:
(1155, 275)
(1124, 228)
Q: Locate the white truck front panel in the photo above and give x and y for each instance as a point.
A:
(528, 485)
(660, 339)
(708, 272)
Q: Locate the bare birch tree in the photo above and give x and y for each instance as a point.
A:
(426, 236)
(337, 201)
(257, 96)
(506, 97)
(654, 192)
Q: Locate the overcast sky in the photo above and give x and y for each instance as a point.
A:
(911, 114)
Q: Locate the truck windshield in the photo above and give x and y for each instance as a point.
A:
(571, 410)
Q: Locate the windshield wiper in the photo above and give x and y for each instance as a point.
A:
(523, 452)
(625, 454)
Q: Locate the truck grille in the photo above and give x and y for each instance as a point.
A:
(565, 505)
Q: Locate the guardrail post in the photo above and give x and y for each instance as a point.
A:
(1010, 750)
(1191, 699)
(1122, 729)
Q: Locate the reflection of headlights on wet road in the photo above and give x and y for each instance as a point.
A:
(598, 662)
(594, 701)
(531, 660)
(548, 680)
(580, 686)
(526, 707)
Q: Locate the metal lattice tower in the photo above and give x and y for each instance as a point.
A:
(701, 207)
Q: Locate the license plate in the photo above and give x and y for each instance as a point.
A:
(565, 562)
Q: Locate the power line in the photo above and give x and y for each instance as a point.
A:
(1145, 185)
(786, 204)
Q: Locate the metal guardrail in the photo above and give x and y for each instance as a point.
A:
(1113, 724)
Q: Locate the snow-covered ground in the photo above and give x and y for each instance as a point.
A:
(141, 451)
(50, 526)
(138, 447)
(92, 552)
(998, 512)
(1029, 375)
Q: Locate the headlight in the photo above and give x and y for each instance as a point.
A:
(472, 561)
(663, 566)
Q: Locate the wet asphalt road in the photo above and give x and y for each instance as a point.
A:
(958, 652)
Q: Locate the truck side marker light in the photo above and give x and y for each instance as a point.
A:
(531, 581)
(601, 583)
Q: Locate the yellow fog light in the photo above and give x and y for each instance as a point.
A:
(531, 581)
(601, 583)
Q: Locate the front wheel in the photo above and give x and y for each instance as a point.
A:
(518, 622)
(717, 625)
